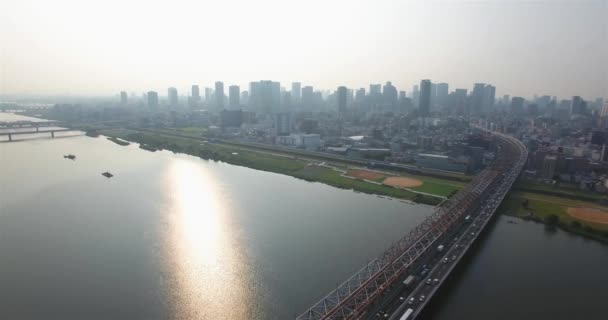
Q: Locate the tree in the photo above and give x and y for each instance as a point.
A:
(552, 220)
(575, 224)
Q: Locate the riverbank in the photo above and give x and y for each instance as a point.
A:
(432, 191)
(556, 212)
(118, 141)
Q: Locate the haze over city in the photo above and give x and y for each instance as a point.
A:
(101, 47)
(303, 160)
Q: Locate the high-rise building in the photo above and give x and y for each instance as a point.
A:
(234, 97)
(578, 105)
(286, 101)
(172, 94)
(219, 94)
(458, 101)
(307, 97)
(416, 96)
(604, 112)
(282, 123)
(123, 97)
(360, 95)
(403, 101)
(442, 94)
(245, 97)
(517, 105)
(152, 99)
(296, 92)
(424, 108)
(477, 98)
(549, 166)
(265, 96)
(196, 94)
(433, 96)
(208, 95)
(489, 96)
(342, 92)
(389, 96)
(375, 94)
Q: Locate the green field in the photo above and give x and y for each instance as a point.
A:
(544, 208)
(266, 161)
(442, 189)
(563, 190)
(335, 179)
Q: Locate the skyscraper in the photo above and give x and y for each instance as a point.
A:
(307, 97)
(219, 94)
(208, 95)
(196, 94)
(517, 105)
(296, 92)
(458, 101)
(433, 96)
(341, 100)
(265, 96)
(152, 99)
(123, 97)
(489, 95)
(234, 95)
(389, 96)
(416, 96)
(172, 94)
(425, 98)
(375, 94)
(442, 94)
(245, 97)
(477, 97)
(578, 105)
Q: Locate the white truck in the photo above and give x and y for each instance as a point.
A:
(408, 280)
(407, 314)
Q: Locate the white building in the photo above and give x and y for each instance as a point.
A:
(305, 141)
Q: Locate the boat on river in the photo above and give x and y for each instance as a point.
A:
(107, 174)
(70, 156)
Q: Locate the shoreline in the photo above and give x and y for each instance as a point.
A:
(296, 167)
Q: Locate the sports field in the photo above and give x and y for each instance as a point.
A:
(589, 214)
(402, 182)
(365, 174)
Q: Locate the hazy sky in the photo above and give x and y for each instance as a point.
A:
(102, 47)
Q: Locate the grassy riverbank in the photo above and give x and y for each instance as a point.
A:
(553, 211)
(118, 141)
(291, 165)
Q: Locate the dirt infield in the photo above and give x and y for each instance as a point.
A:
(589, 215)
(402, 182)
(364, 174)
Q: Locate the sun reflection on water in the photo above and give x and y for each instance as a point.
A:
(207, 276)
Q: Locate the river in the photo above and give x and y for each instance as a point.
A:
(172, 236)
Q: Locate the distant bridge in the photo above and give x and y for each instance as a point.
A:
(29, 124)
(51, 131)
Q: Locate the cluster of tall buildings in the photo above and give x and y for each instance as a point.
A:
(270, 97)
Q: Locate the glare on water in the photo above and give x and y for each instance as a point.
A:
(205, 270)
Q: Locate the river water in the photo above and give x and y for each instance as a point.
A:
(172, 236)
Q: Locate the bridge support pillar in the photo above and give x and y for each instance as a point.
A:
(10, 137)
(52, 134)
(37, 128)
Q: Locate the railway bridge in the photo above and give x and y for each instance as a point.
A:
(400, 282)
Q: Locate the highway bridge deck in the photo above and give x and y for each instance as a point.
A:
(429, 252)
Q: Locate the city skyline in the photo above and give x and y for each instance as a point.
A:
(463, 49)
